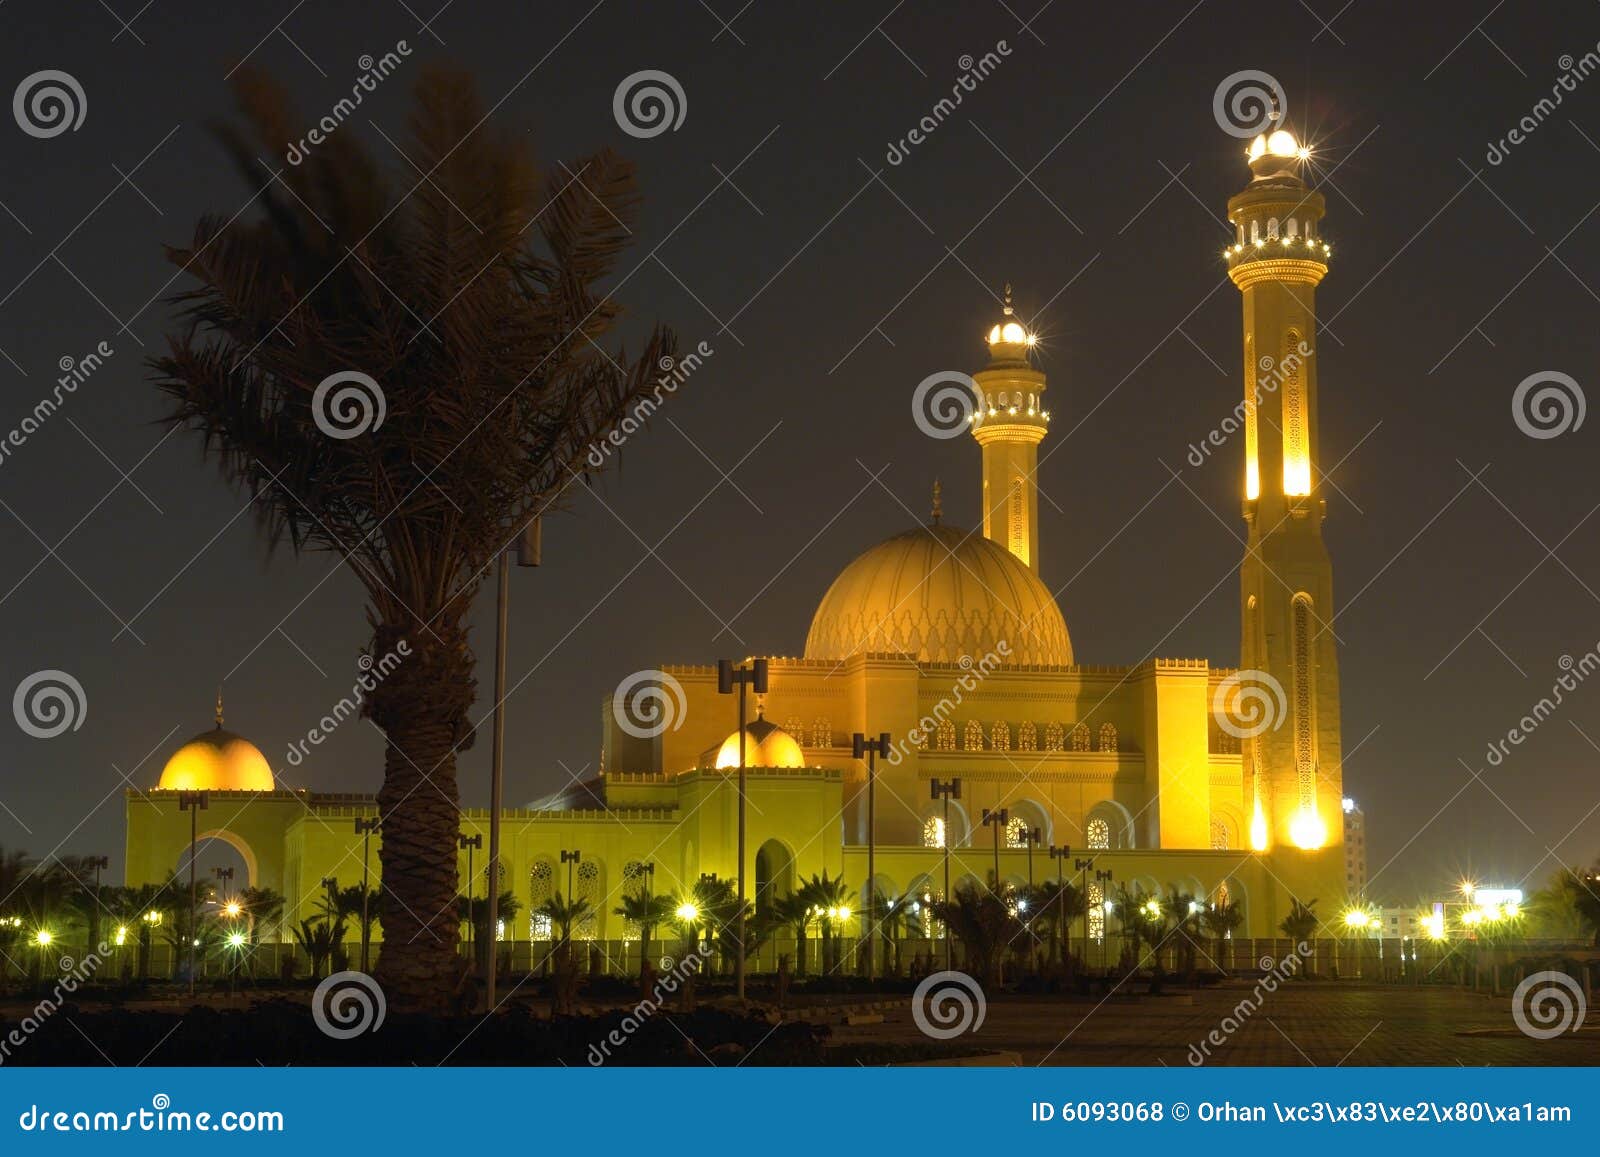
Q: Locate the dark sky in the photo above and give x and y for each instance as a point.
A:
(1088, 170)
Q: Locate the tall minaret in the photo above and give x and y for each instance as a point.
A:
(1009, 424)
(1292, 769)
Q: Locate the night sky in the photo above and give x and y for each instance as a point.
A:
(1088, 170)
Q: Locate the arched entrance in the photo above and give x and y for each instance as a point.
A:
(774, 874)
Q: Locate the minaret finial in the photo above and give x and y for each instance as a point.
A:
(219, 705)
(938, 503)
(1008, 310)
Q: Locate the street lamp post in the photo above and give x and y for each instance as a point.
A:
(530, 548)
(365, 826)
(729, 677)
(647, 887)
(1061, 855)
(871, 748)
(946, 790)
(471, 843)
(1031, 837)
(224, 876)
(193, 802)
(996, 820)
(1101, 876)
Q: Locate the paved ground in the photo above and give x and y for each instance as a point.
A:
(1304, 1023)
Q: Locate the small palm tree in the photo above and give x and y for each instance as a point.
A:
(983, 922)
(646, 911)
(1184, 911)
(830, 901)
(795, 911)
(1221, 920)
(1301, 925)
(1582, 891)
(404, 373)
(321, 941)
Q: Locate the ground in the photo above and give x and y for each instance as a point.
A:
(1307, 1023)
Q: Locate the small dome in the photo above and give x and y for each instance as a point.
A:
(765, 745)
(940, 595)
(217, 760)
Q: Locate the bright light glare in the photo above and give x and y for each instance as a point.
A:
(687, 912)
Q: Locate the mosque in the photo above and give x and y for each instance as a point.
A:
(1004, 750)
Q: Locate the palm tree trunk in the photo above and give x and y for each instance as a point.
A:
(420, 813)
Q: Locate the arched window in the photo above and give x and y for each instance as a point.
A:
(1017, 535)
(587, 887)
(1296, 427)
(1108, 737)
(1017, 832)
(933, 832)
(973, 741)
(1080, 737)
(1055, 737)
(822, 732)
(922, 739)
(796, 727)
(1097, 913)
(1304, 706)
(634, 881)
(1098, 833)
(944, 739)
(1000, 737)
(541, 889)
(1219, 836)
(1027, 737)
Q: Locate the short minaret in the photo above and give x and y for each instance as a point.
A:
(1277, 260)
(1009, 424)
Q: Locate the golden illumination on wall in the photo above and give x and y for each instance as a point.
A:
(1258, 828)
(1307, 829)
(1296, 424)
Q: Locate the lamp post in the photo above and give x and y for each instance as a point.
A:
(1031, 837)
(996, 820)
(1101, 876)
(729, 677)
(946, 790)
(365, 826)
(647, 887)
(530, 550)
(98, 863)
(1061, 855)
(871, 748)
(193, 802)
(471, 843)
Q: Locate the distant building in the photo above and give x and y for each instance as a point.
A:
(1355, 852)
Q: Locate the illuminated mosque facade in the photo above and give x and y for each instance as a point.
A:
(1172, 772)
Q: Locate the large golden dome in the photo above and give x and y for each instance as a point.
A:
(940, 594)
(217, 760)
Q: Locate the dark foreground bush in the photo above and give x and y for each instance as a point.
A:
(283, 1032)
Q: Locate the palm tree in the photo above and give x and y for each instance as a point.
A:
(794, 911)
(889, 916)
(1582, 891)
(1221, 920)
(828, 896)
(475, 911)
(1052, 907)
(984, 924)
(1299, 925)
(1184, 911)
(646, 911)
(405, 383)
(320, 940)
